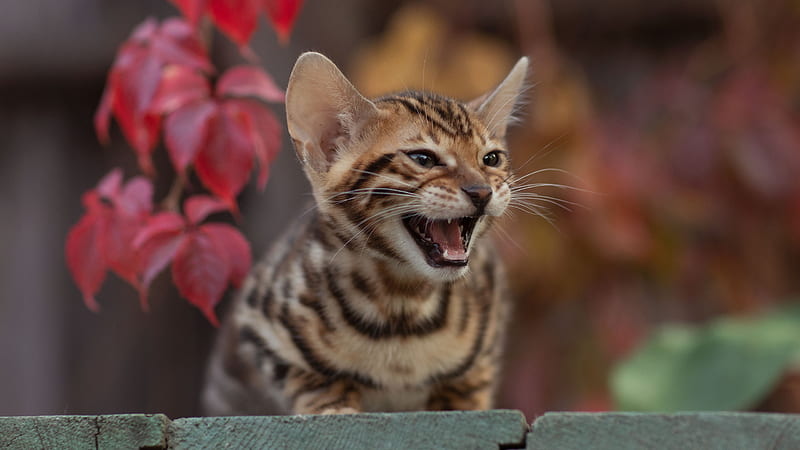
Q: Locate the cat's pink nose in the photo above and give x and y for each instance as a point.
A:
(479, 195)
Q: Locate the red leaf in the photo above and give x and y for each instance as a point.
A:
(117, 245)
(155, 245)
(151, 126)
(282, 14)
(192, 9)
(249, 81)
(85, 257)
(180, 85)
(92, 201)
(236, 18)
(177, 42)
(104, 238)
(161, 223)
(264, 131)
(136, 197)
(154, 256)
(127, 214)
(198, 207)
(137, 77)
(110, 185)
(186, 132)
(225, 163)
(135, 83)
(102, 116)
(237, 247)
(156, 253)
(144, 31)
(200, 270)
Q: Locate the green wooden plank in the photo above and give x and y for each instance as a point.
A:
(679, 431)
(133, 431)
(81, 432)
(423, 430)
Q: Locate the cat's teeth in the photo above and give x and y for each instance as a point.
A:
(422, 233)
(449, 221)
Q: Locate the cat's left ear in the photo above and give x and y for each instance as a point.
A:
(324, 111)
(496, 108)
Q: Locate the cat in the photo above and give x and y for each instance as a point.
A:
(388, 297)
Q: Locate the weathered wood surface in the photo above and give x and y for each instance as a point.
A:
(424, 430)
(79, 432)
(678, 431)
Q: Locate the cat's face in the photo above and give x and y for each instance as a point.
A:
(425, 179)
(412, 178)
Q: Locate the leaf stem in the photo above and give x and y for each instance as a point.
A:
(173, 198)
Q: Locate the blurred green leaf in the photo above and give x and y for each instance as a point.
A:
(729, 364)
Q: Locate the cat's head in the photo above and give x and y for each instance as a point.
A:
(414, 178)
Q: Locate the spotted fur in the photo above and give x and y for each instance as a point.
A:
(376, 301)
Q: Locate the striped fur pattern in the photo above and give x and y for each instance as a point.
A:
(387, 297)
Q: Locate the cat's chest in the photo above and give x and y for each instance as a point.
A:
(395, 400)
(415, 352)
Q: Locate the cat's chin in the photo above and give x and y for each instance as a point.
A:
(448, 273)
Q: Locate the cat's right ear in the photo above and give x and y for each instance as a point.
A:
(324, 111)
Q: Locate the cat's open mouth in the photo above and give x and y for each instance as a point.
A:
(443, 242)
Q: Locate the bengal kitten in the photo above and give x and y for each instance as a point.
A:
(387, 297)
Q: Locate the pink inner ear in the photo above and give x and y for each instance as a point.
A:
(329, 140)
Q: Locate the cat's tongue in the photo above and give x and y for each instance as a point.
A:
(448, 236)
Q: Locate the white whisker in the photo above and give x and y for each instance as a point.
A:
(536, 211)
(546, 198)
(507, 236)
(377, 218)
(366, 192)
(541, 153)
(380, 175)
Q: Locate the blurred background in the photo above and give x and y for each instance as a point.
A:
(671, 127)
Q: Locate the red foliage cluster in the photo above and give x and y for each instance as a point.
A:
(220, 134)
(159, 81)
(120, 232)
(136, 75)
(239, 18)
(103, 238)
(204, 257)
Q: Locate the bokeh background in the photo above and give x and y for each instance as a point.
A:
(669, 129)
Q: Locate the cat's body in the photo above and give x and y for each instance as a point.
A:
(386, 298)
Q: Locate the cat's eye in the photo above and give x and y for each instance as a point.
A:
(492, 159)
(424, 158)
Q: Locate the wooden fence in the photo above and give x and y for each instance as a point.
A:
(499, 429)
